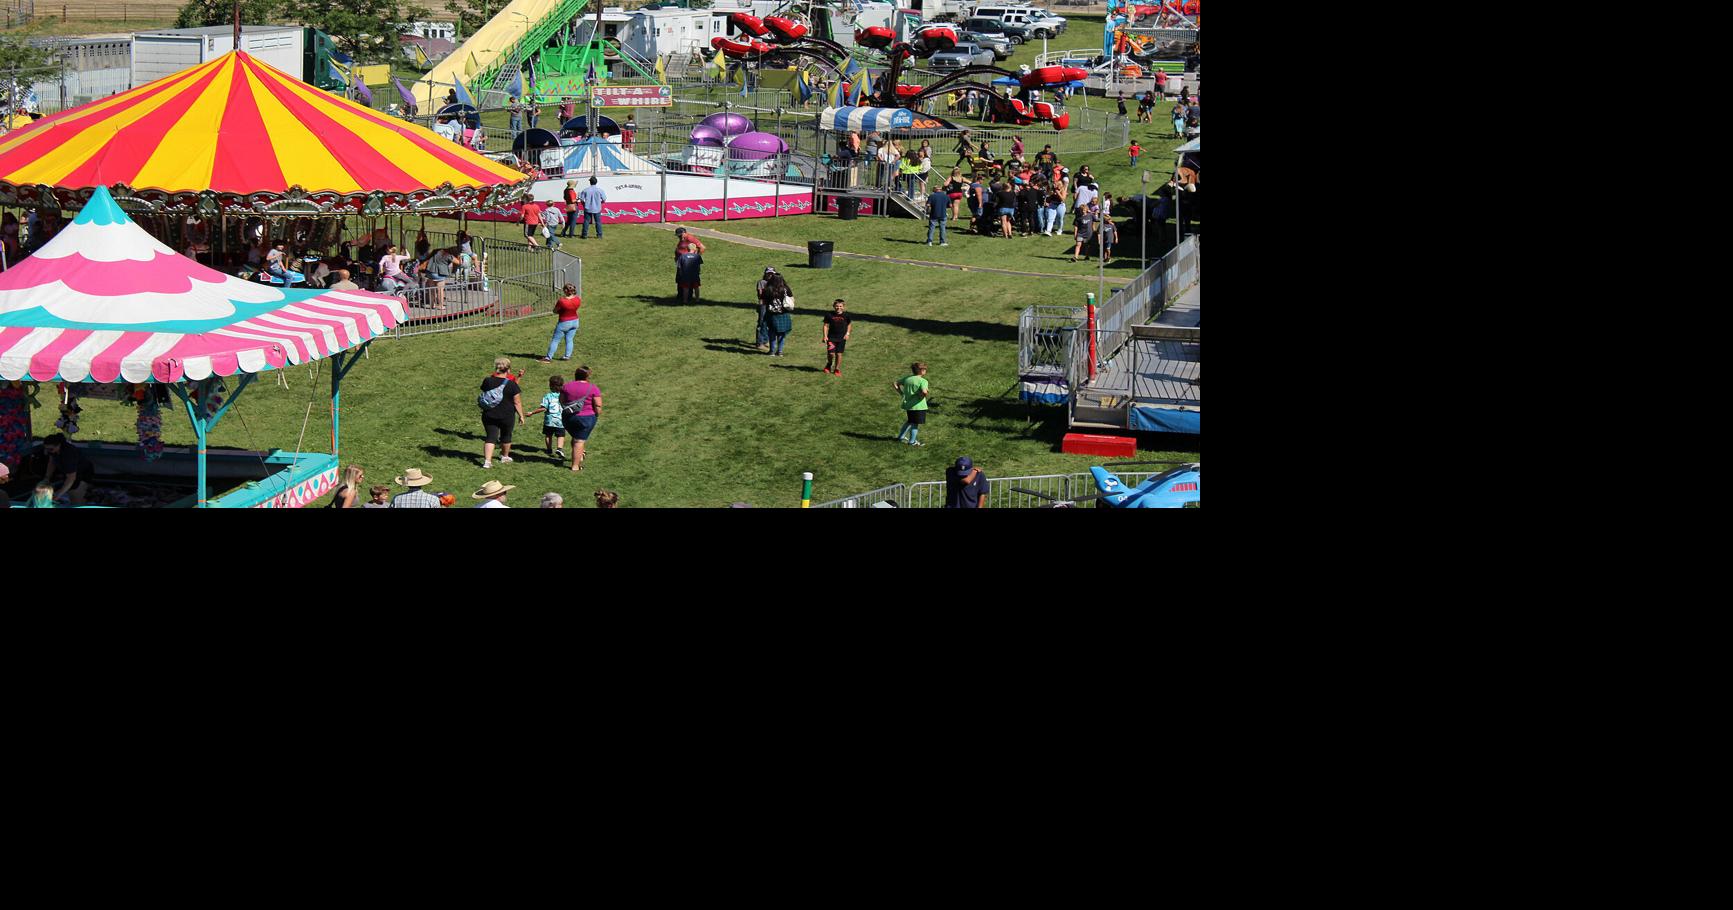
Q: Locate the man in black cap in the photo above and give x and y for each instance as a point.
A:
(965, 486)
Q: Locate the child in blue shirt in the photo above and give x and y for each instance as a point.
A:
(552, 426)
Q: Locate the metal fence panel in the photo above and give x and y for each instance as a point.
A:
(896, 495)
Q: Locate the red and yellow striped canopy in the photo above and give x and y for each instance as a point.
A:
(242, 135)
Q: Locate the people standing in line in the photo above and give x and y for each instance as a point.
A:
(837, 328)
(688, 265)
(938, 207)
(908, 170)
(915, 391)
(535, 113)
(1085, 197)
(978, 203)
(573, 207)
(1109, 233)
(1084, 229)
(761, 334)
(492, 495)
(1028, 206)
(966, 485)
(779, 301)
(565, 323)
(593, 198)
(1052, 209)
(553, 429)
(1005, 202)
(515, 110)
(581, 408)
(1178, 116)
(501, 401)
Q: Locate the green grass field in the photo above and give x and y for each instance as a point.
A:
(694, 416)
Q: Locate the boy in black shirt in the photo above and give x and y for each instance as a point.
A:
(836, 328)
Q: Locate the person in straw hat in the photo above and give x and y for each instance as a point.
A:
(492, 495)
(416, 498)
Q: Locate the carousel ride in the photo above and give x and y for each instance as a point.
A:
(146, 297)
(759, 39)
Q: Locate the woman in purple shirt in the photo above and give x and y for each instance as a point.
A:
(580, 405)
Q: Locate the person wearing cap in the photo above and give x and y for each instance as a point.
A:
(416, 498)
(965, 485)
(762, 334)
(492, 495)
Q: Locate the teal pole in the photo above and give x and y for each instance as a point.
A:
(336, 399)
(199, 427)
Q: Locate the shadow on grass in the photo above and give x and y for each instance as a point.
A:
(798, 369)
(437, 452)
(888, 436)
(461, 434)
(980, 331)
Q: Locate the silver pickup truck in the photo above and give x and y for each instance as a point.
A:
(960, 56)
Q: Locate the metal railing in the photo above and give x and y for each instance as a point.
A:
(1045, 335)
(930, 494)
(1144, 298)
(896, 495)
(475, 303)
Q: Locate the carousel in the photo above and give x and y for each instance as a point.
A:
(218, 161)
(108, 312)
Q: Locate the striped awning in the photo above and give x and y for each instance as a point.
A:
(238, 135)
(599, 154)
(106, 302)
(866, 119)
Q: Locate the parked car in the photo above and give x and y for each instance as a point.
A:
(962, 55)
(981, 30)
(1045, 26)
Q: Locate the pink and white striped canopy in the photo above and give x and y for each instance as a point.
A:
(106, 302)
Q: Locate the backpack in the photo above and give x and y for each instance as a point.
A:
(491, 398)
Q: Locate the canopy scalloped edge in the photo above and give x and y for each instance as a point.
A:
(296, 202)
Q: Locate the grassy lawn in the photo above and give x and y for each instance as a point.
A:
(694, 417)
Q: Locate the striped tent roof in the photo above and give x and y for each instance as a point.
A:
(599, 155)
(105, 302)
(866, 119)
(251, 135)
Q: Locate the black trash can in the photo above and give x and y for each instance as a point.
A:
(818, 253)
(848, 208)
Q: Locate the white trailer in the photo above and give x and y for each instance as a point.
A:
(165, 52)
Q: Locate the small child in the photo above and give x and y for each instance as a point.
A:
(1135, 151)
(379, 493)
(553, 427)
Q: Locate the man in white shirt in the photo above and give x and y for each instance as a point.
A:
(1085, 195)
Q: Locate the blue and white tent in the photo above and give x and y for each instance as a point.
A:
(598, 154)
(866, 119)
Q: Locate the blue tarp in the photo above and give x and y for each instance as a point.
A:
(1166, 420)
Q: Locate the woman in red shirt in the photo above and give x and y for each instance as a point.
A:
(565, 323)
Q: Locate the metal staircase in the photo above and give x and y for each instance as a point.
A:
(532, 41)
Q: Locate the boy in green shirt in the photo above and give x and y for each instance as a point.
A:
(913, 388)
